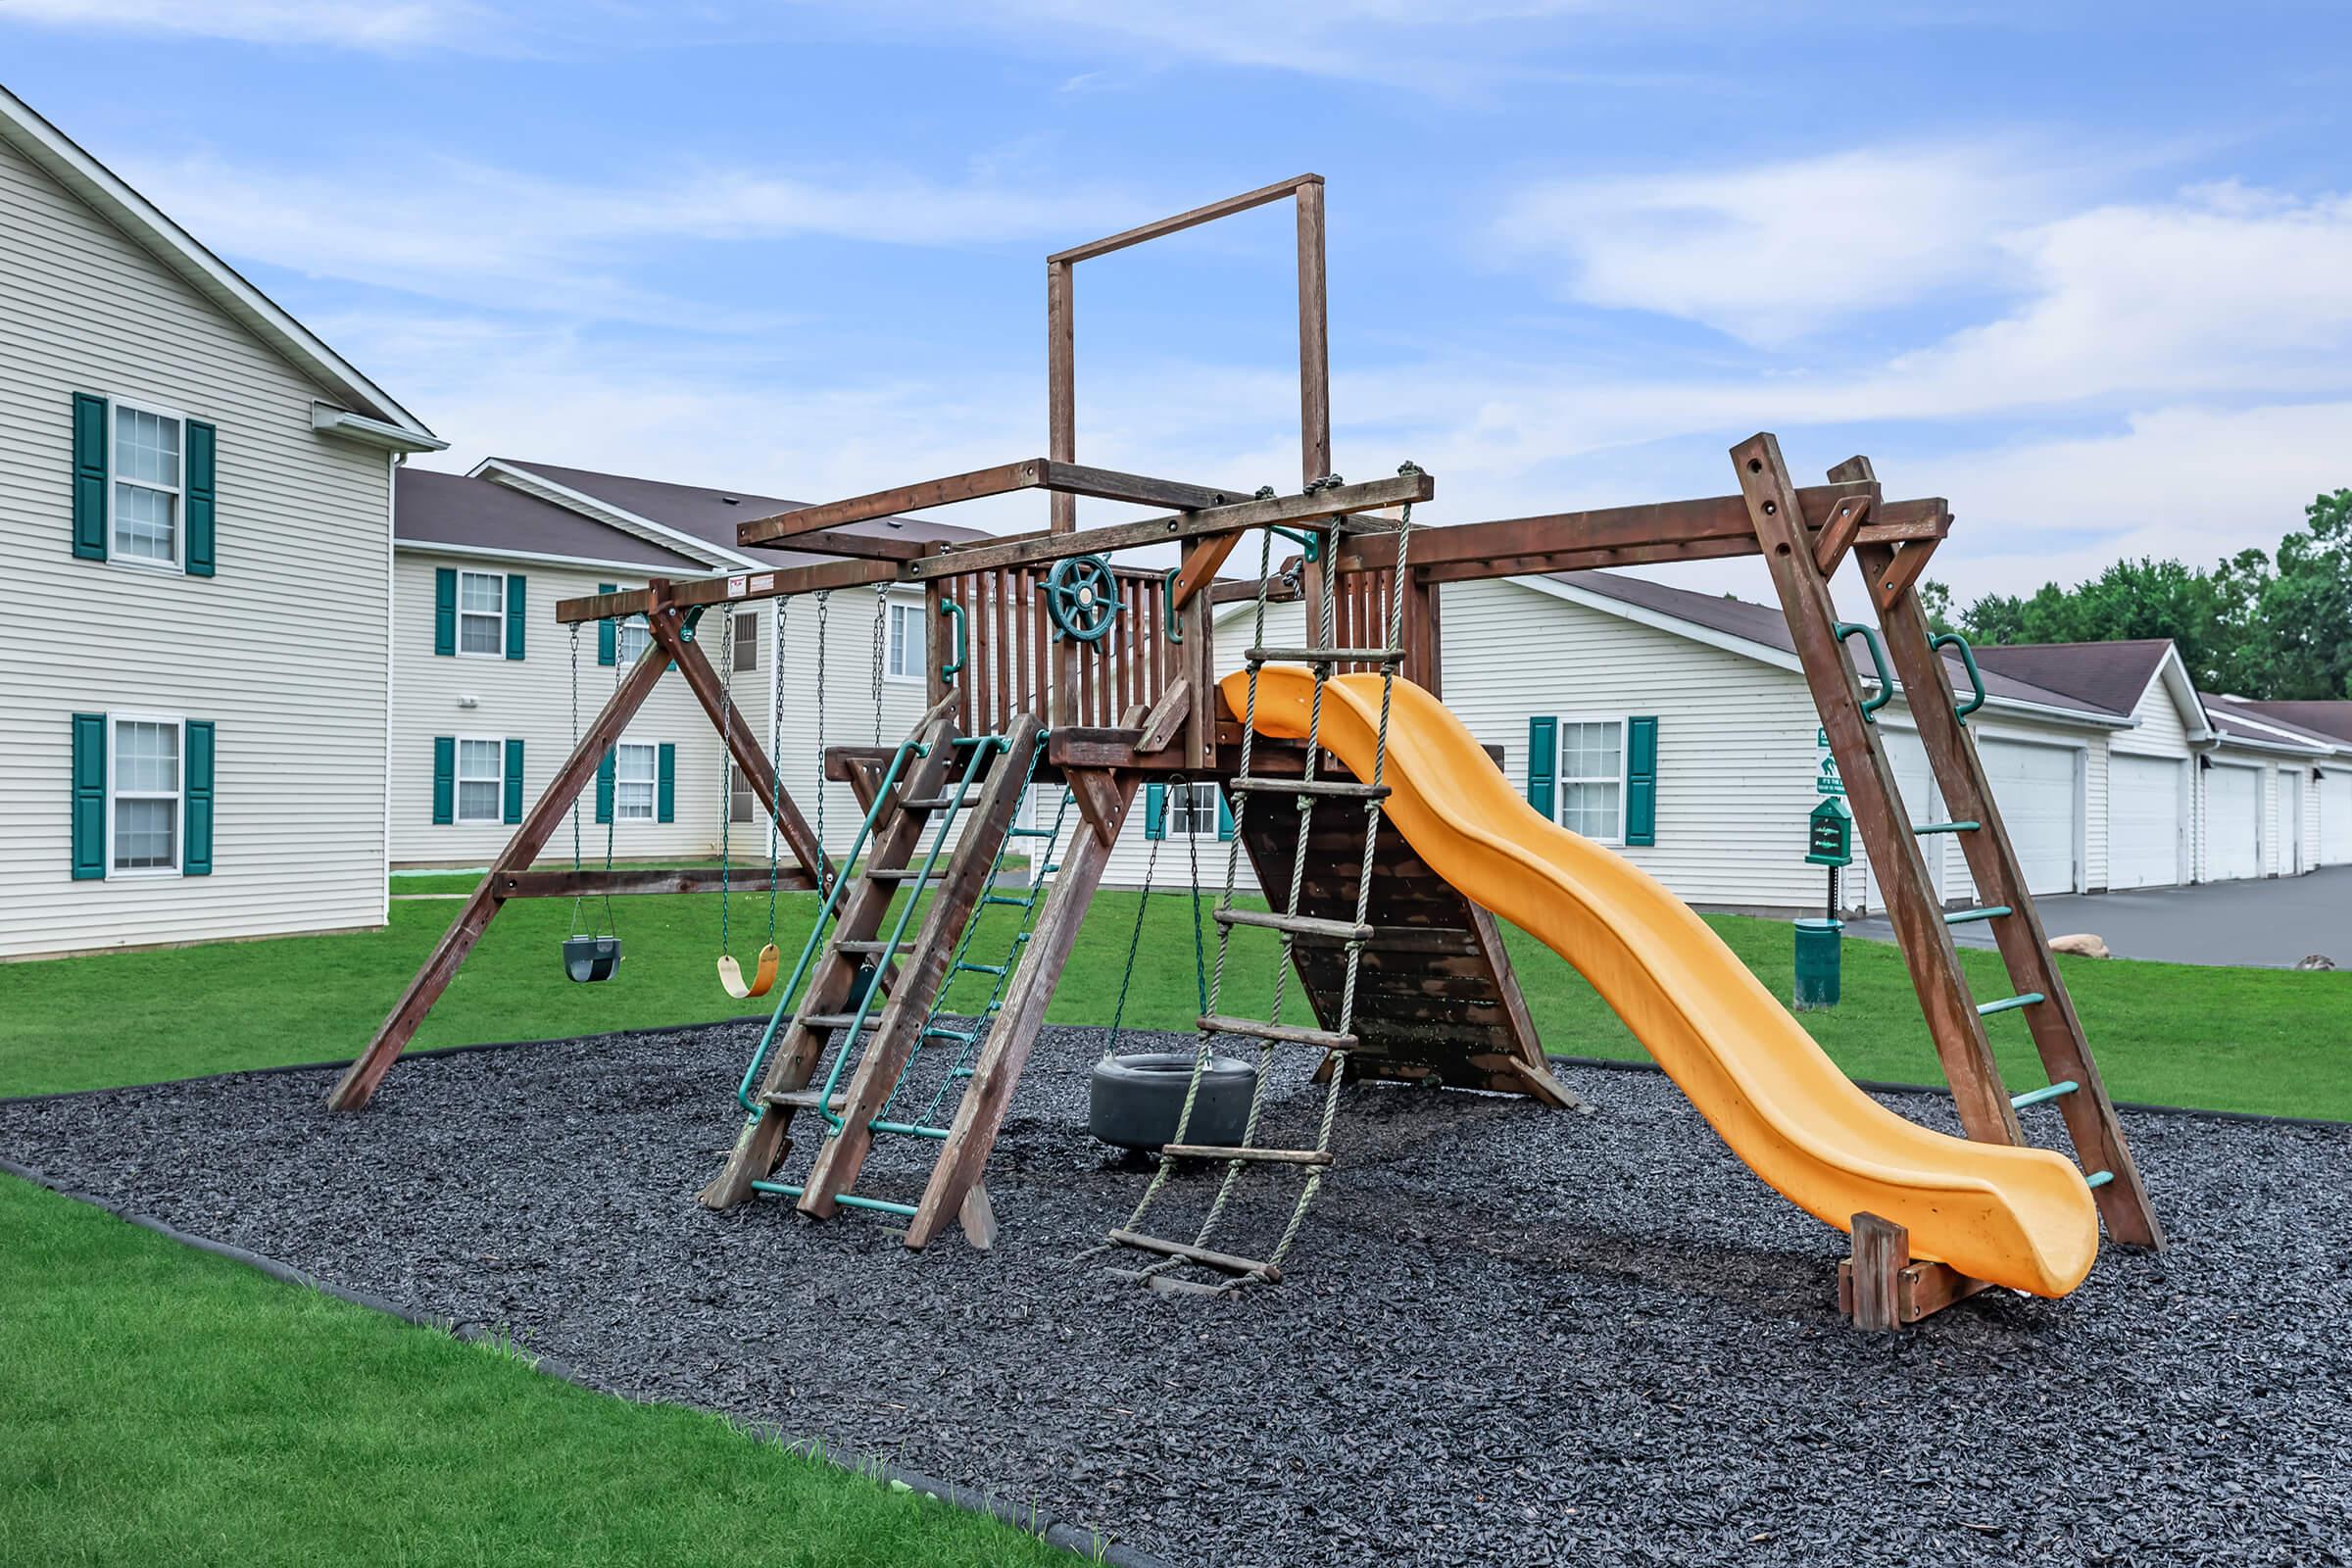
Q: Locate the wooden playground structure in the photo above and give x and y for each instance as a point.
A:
(1052, 668)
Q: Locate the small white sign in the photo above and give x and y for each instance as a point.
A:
(737, 587)
(764, 582)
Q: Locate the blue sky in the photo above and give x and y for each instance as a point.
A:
(2086, 270)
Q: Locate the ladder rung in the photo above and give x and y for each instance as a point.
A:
(1345, 788)
(2024, 998)
(880, 1205)
(1274, 1156)
(935, 803)
(1304, 925)
(1945, 827)
(2035, 1097)
(1028, 832)
(996, 971)
(1216, 1023)
(803, 1099)
(1197, 1254)
(842, 1020)
(1966, 917)
(906, 1129)
(856, 945)
(940, 1031)
(2099, 1178)
(1003, 898)
(1327, 655)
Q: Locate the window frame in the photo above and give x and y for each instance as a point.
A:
(747, 643)
(891, 643)
(457, 782)
(739, 792)
(621, 630)
(1191, 811)
(177, 796)
(498, 650)
(179, 493)
(1563, 780)
(652, 781)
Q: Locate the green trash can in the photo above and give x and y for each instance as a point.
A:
(1817, 944)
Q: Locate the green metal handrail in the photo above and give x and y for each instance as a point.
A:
(1167, 601)
(1878, 657)
(1968, 661)
(948, 606)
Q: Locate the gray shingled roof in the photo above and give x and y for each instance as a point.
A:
(450, 509)
(2239, 720)
(1759, 623)
(712, 514)
(2108, 676)
(2333, 719)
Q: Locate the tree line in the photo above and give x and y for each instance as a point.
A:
(2274, 626)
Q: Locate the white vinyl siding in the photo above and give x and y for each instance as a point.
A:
(144, 796)
(285, 650)
(483, 614)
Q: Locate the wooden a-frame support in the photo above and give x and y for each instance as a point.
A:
(511, 875)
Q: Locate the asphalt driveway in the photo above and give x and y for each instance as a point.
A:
(2271, 923)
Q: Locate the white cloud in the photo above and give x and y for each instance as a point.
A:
(393, 24)
(1771, 253)
(468, 231)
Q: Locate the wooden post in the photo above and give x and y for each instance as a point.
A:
(1314, 385)
(357, 1083)
(1882, 1250)
(988, 1094)
(1912, 906)
(1061, 444)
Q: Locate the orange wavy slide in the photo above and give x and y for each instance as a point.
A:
(2019, 1217)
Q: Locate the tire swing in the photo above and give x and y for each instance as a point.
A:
(730, 972)
(1135, 1101)
(593, 954)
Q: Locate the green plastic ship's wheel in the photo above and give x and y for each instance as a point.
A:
(1081, 597)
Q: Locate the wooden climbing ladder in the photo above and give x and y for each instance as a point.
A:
(1802, 562)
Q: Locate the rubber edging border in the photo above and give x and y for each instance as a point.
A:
(1075, 1539)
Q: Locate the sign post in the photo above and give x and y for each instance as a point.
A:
(1829, 843)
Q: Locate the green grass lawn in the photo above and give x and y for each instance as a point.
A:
(164, 1407)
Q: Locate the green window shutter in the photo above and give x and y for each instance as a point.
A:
(608, 632)
(1640, 781)
(1543, 764)
(1156, 811)
(604, 787)
(445, 778)
(1224, 817)
(202, 440)
(445, 612)
(89, 494)
(514, 782)
(515, 595)
(196, 799)
(89, 797)
(666, 791)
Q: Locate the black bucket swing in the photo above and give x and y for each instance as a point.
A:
(593, 954)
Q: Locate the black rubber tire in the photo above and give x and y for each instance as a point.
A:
(1133, 1099)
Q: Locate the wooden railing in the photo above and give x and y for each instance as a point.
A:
(1009, 650)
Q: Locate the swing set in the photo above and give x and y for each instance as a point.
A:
(1386, 839)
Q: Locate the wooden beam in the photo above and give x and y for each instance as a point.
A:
(633, 880)
(865, 546)
(359, 1081)
(1059, 475)
(1159, 227)
(1100, 800)
(1837, 536)
(1005, 1053)
(1881, 1251)
(1898, 572)
(1166, 717)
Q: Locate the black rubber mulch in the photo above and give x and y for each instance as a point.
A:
(1510, 1334)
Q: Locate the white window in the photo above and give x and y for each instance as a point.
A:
(146, 468)
(906, 661)
(742, 804)
(633, 784)
(482, 613)
(747, 640)
(1193, 811)
(145, 811)
(481, 780)
(635, 637)
(1592, 778)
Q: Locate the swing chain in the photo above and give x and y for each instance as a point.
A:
(775, 762)
(881, 632)
(726, 773)
(824, 609)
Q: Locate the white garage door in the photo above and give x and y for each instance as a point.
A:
(2143, 821)
(2034, 788)
(2232, 822)
(1916, 782)
(2335, 817)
